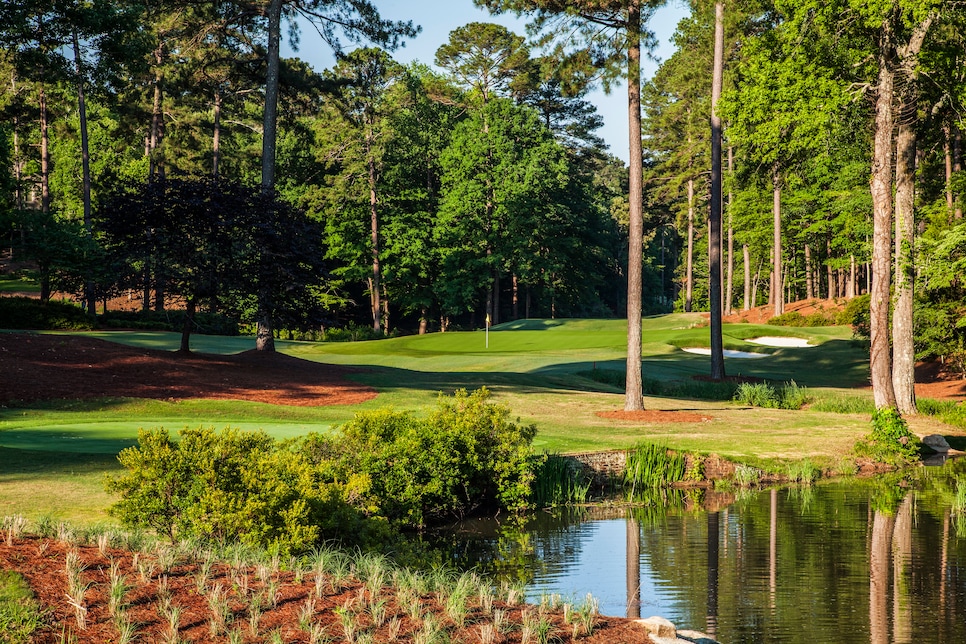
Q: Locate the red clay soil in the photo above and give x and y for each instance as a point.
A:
(44, 367)
(42, 562)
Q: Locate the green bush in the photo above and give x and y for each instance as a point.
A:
(30, 313)
(890, 441)
(226, 486)
(465, 455)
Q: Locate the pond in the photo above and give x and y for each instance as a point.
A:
(876, 560)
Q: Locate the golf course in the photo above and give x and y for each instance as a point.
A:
(54, 453)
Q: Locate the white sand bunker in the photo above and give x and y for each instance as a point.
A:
(780, 341)
(728, 353)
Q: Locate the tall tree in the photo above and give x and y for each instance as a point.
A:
(609, 34)
(364, 78)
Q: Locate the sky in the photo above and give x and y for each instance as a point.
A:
(438, 17)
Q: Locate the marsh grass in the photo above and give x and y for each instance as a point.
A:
(650, 466)
(559, 481)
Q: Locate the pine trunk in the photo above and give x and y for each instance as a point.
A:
(264, 338)
(689, 274)
(777, 304)
(89, 295)
(714, 223)
(633, 392)
(746, 258)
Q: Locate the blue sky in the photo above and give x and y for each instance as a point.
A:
(439, 17)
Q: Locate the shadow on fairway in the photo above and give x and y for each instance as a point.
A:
(17, 464)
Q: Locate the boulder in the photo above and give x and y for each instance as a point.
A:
(659, 627)
(936, 443)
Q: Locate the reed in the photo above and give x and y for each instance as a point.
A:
(559, 481)
(650, 465)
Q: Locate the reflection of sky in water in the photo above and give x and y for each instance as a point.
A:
(598, 566)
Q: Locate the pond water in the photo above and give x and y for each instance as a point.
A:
(877, 561)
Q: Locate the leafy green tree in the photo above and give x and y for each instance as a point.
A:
(499, 186)
(364, 78)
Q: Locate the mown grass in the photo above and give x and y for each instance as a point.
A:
(538, 367)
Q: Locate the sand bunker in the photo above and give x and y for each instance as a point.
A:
(780, 341)
(728, 353)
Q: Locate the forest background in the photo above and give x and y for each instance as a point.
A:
(405, 198)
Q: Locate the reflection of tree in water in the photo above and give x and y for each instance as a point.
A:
(887, 545)
(518, 549)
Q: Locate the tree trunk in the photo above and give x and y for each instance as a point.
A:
(809, 282)
(880, 357)
(689, 275)
(746, 257)
(633, 392)
(155, 167)
(89, 295)
(957, 167)
(948, 158)
(830, 278)
(714, 233)
(777, 258)
(216, 134)
(264, 338)
(423, 321)
(374, 237)
(729, 288)
(189, 321)
(44, 151)
(515, 297)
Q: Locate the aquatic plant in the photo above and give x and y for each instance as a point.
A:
(650, 465)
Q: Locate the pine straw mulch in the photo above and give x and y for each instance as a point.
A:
(273, 593)
(45, 367)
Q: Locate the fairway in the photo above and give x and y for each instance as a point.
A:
(534, 366)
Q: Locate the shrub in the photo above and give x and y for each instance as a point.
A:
(890, 440)
(466, 454)
(30, 313)
(170, 320)
(227, 485)
(762, 394)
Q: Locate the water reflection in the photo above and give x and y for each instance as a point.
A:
(867, 561)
